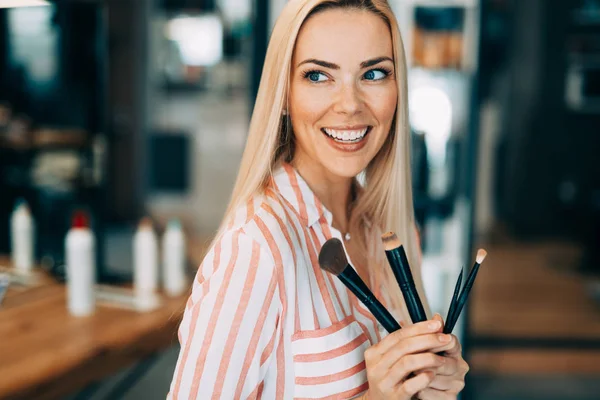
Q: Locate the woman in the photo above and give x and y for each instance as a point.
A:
(263, 320)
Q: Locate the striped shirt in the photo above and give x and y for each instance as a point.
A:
(263, 319)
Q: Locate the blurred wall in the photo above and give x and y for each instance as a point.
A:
(128, 97)
(549, 170)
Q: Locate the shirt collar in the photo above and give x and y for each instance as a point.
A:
(294, 189)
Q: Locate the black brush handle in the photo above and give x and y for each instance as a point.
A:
(453, 302)
(464, 295)
(350, 278)
(399, 264)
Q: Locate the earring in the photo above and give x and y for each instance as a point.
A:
(284, 112)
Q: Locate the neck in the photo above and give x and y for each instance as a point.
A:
(333, 191)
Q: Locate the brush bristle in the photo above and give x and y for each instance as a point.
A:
(481, 254)
(332, 257)
(390, 241)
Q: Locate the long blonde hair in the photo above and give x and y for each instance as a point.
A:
(386, 197)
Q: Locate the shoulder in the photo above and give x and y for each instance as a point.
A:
(268, 221)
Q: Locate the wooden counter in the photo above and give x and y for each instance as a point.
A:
(531, 312)
(46, 353)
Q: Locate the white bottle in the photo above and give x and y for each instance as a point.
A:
(80, 267)
(173, 252)
(145, 263)
(21, 235)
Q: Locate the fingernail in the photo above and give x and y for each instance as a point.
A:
(434, 325)
(444, 338)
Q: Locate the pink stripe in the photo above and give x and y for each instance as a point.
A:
(327, 232)
(194, 321)
(334, 353)
(313, 257)
(214, 316)
(317, 244)
(277, 258)
(283, 298)
(257, 392)
(280, 384)
(249, 210)
(294, 183)
(237, 320)
(345, 395)
(368, 316)
(256, 336)
(320, 276)
(351, 296)
(285, 231)
(290, 218)
(317, 333)
(320, 380)
(268, 349)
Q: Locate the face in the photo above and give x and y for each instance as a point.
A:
(343, 92)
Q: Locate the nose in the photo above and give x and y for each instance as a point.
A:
(349, 100)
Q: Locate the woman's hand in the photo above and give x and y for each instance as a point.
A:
(449, 378)
(403, 363)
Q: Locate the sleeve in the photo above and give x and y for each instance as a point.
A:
(229, 328)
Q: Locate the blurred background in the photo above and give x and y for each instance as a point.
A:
(134, 108)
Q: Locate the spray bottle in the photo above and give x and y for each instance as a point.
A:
(173, 251)
(80, 266)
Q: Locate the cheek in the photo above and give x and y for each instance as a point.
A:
(306, 108)
(383, 105)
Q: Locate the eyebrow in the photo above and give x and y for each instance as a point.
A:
(330, 65)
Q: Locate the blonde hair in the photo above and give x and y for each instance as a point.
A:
(386, 197)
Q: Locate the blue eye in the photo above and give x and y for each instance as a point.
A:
(375, 74)
(315, 76)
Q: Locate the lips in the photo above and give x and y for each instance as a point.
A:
(354, 135)
(348, 139)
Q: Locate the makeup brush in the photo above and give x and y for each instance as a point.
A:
(454, 300)
(332, 258)
(399, 263)
(464, 294)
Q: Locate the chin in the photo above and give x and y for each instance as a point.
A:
(346, 168)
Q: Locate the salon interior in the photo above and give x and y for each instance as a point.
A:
(119, 116)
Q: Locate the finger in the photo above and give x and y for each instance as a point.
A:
(420, 328)
(412, 386)
(433, 394)
(411, 345)
(441, 382)
(438, 317)
(448, 384)
(409, 364)
(450, 345)
(456, 349)
(448, 368)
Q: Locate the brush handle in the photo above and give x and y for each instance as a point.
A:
(399, 264)
(350, 278)
(453, 302)
(464, 295)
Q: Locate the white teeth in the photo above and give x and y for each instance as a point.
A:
(346, 135)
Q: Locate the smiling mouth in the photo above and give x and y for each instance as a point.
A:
(347, 135)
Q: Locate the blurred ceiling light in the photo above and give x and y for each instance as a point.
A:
(200, 38)
(23, 3)
(431, 113)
